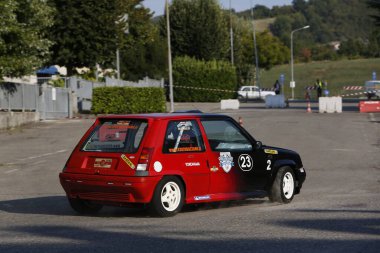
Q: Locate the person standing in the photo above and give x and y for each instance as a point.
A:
(318, 86)
(277, 87)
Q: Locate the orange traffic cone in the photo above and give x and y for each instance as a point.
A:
(308, 107)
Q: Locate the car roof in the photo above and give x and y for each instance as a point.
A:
(158, 116)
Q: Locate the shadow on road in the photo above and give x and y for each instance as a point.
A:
(59, 206)
(125, 238)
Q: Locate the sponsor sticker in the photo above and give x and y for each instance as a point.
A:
(184, 126)
(194, 164)
(214, 169)
(205, 197)
(245, 162)
(185, 149)
(271, 151)
(226, 161)
(104, 163)
(127, 161)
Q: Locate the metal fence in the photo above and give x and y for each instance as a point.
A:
(54, 103)
(83, 88)
(50, 102)
(18, 97)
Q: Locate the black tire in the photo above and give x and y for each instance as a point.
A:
(84, 207)
(160, 207)
(242, 99)
(277, 192)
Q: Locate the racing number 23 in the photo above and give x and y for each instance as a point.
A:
(245, 162)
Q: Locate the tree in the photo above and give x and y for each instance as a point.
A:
(145, 51)
(198, 29)
(88, 32)
(375, 5)
(23, 43)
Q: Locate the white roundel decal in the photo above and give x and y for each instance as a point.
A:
(245, 162)
(157, 166)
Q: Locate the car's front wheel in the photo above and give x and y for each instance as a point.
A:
(84, 207)
(283, 187)
(168, 197)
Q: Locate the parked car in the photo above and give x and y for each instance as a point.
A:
(253, 92)
(372, 88)
(167, 160)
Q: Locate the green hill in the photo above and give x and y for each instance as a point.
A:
(336, 73)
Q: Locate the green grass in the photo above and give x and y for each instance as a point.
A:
(263, 24)
(336, 73)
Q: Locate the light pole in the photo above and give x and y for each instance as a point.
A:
(123, 19)
(171, 96)
(231, 37)
(292, 83)
(255, 45)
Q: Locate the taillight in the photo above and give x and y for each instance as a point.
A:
(144, 161)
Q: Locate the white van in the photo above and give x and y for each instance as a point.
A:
(372, 88)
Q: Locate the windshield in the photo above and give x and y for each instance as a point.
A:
(116, 136)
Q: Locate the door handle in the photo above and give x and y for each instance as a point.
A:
(190, 156)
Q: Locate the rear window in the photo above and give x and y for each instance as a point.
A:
(116, 136)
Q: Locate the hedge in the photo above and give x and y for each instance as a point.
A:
(190, 72)
(118, 100)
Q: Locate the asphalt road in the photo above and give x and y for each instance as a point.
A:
(338, 209)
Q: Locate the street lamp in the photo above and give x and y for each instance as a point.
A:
(231, 37)
(255, 46)
(292, 83)
(171, 95)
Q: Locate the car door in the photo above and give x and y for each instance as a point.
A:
(232, 157)
(247, 92)
(255, 92)
(184, 154)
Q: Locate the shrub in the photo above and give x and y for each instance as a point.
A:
(128, 100)
(192, 73)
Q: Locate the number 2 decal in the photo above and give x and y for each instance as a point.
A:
(269, 163)
(245, 162)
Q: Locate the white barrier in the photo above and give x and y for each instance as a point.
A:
(330, 104)
(229, 104)
(277, 101)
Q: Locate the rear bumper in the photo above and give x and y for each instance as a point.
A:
(111, 189)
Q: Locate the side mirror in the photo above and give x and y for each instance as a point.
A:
(258, 145)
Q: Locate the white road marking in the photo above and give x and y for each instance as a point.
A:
(343, 149)
(10, 171)
(38, 162)
(372, 117)
(43, 155)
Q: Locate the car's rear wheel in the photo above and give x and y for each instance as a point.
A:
(283, 187)
(168, 197)
(84, 206)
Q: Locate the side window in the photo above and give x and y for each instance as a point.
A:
(183, 136)
(223, 135)
(246, 89)
(256, 89)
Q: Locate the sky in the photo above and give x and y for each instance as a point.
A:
(157, 6)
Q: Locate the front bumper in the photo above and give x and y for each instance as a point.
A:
(111, 189)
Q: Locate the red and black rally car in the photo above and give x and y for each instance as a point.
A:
(168, 160)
